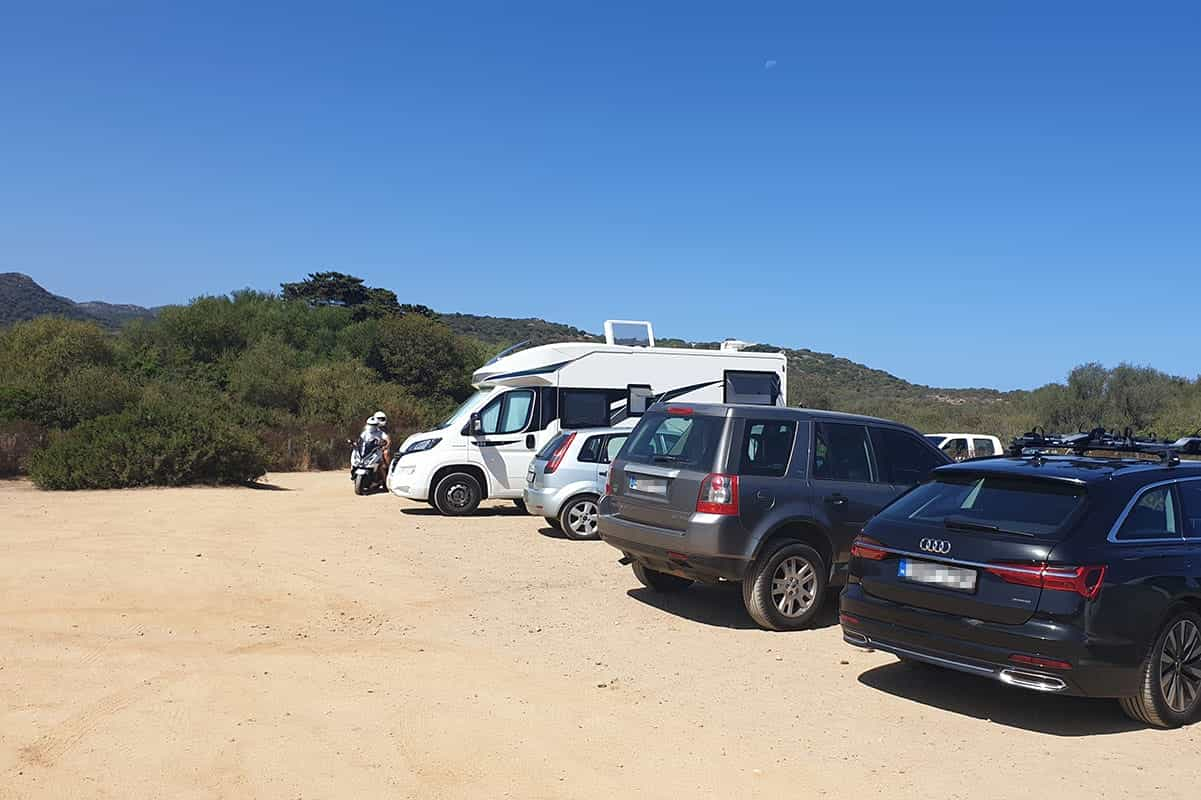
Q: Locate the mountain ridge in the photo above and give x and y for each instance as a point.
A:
(816, 379)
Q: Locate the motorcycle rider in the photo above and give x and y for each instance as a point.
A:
(377, 429)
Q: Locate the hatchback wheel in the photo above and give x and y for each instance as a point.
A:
(1170, 691)
(578, 518)
(457, 494)
(785, 588)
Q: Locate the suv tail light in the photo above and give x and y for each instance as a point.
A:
(718, 495)
(556, 458)
(869, 548)
(1084, 581)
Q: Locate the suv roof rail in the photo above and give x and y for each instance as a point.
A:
(1036, 441)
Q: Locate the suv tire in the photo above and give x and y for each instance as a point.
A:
(1170, 671)
(786, 587)
(457, 494)
(660, 581)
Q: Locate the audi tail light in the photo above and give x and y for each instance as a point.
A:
(718, 495)
(556, 458)
(869, 548)
(1084, 581)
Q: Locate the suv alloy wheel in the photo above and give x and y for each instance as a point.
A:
(785, 588)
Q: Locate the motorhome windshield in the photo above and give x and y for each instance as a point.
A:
(460, 415)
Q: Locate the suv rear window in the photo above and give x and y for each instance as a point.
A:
(685, 441)
(990, 502)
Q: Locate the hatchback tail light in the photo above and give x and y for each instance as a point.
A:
(1084, 581)
(718, 495)
(556, 457)
(869, 548)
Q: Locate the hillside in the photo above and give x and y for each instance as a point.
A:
(21, 298)
(820, 380)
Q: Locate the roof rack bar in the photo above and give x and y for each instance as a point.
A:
(1036, 441)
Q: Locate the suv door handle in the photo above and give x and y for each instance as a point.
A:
(836, 499)
(602, 472)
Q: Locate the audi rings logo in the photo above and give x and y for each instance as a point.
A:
(937, 546)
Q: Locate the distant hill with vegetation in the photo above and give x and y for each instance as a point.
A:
(21, 298)
(95, 395)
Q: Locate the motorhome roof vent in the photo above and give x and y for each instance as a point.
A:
(736, 344)
(632, 333)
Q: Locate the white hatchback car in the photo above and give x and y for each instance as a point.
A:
(567, 478)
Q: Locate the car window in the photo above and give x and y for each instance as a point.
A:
(1190, 511)
(613, 447)
(956, 449)
(841, 452)
(675, 441)
(902, 458)
(508, 413)
(550, 447)
(1153, 516)
(983, 447)
(767, 447)
(590, 452)
(970, 502)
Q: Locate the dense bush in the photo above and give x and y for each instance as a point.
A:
(222, 388)
(154, 443)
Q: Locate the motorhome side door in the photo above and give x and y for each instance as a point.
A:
(502, 445)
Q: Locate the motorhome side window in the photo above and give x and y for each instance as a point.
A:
(509, 413)
(754, 388)
(588, 408)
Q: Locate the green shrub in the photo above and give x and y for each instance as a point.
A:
(267, 374)
(156, 443)
(424, 356)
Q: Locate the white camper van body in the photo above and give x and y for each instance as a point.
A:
(526, 398)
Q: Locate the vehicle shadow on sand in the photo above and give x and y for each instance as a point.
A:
(989, 700)
(719, 605)
(482, 511)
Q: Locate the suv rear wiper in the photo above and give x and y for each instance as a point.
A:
(971, 525)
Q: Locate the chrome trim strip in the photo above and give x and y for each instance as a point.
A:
(953, 561)
(1023, 679)
(1034, 681)
(1117, 526)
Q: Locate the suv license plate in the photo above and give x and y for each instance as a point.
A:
(648, 485)
(958, 578)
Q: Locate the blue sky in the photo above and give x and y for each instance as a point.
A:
(961, 196)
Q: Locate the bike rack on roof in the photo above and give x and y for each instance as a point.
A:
(1037, 441)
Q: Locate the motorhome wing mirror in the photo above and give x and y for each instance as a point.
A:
(476, 425)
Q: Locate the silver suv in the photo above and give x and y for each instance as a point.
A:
(567, 476)
(769, 497)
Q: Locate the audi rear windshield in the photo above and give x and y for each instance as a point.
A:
(991, 504)
(675, 440)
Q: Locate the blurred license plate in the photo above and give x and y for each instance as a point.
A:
(958, 578)
(641, 483)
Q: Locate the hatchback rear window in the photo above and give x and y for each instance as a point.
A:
(550, 447)
(991, 503)
(671, 440)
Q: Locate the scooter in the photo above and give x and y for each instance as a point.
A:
(365, 459)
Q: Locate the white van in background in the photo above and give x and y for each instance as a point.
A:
(962, 446)
(526, 397)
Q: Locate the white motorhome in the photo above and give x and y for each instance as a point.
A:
(524, 398)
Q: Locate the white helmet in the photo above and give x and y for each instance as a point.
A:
(379, 418)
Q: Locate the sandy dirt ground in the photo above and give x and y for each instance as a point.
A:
(306, 643)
